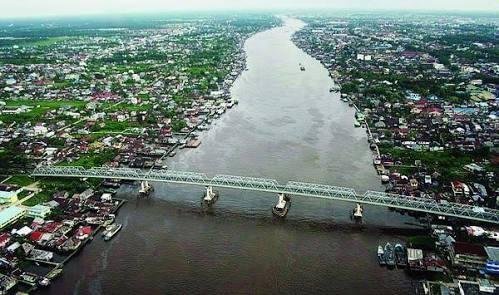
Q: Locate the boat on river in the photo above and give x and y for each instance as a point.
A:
(302, 68)
(381, 255)
(334, 88)
(282, 207)
(210, 196)
(389, 255)
(400, 255)
(43, 282)
(112, 230)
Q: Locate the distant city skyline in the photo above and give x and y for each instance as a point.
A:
(34, 8)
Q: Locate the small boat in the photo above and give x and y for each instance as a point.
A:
(357, 212)
(111, 184)
(210, 196)
(302, 68)
(381, 255)
(107, 229)
(335, 88)
(282, 207)
(145, 189)
(43, 282)
(54, 273)
(356, 123)
(389, 255)
(110, 191)
(113, 230)
(377, 161)
(344, 99)
(400, 255)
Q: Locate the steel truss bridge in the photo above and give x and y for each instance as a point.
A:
(272, 186)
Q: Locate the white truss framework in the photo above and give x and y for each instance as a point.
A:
(272, 186)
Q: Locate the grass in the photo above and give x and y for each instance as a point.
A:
(41, 197)
(52, 185)
(50, 41)
(449, 163)
(23, 194)
(48, 104)
(114, 126)
(21, 180)
(38, 110)
(128, 107)
(93, 159)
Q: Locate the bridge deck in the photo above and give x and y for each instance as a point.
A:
(272, 186)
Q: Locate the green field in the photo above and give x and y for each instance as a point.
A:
(38, 108)
(21, 180)
(94, 159)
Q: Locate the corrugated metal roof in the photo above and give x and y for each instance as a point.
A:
(492, 253)
(414, 254)
(6, 215)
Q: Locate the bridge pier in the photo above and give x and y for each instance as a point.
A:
(281, 209)
(210, 196)
(357, 212)
(145, 189)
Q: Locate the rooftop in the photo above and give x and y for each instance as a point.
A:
(8, 214)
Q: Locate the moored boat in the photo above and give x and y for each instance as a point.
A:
(43, 282)
(113, 230)
(389, 255)
(282, 207)
(381, 255)
(400, 255)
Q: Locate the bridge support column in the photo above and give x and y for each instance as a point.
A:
(357, 212)
(281, 209)
(145, 189)
(210, 196)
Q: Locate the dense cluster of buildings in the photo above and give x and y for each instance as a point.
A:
(426, 90)
(94, 95)
(97, 96)
(36, 241)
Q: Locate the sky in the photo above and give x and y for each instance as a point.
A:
(33, 8)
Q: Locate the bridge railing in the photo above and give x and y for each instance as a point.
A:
(177, 176)
(321, 190)
(432, 206)
(244, 182)
(270, 185)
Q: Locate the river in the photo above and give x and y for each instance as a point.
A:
(287, 126)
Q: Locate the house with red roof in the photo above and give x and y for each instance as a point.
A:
(4, 240)
(84, 232)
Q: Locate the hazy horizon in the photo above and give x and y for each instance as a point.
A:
(47, 8)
